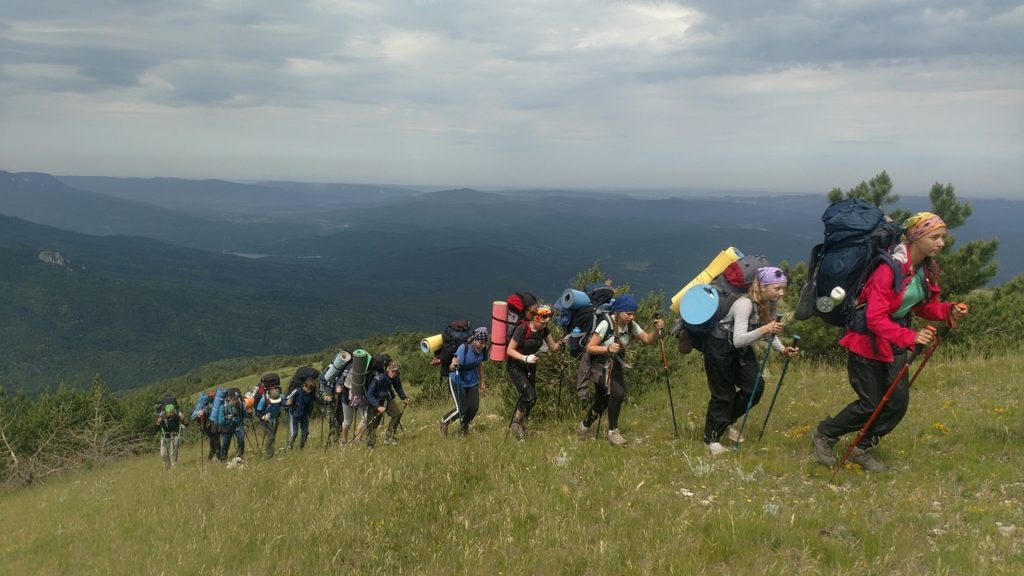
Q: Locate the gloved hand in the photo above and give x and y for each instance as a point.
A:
(530, 359)
(266, 417)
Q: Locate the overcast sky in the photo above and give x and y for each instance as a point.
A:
(768, 95)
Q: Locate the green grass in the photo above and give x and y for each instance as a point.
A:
(951, 502)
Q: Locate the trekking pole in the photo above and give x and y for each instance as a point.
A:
(253, 422)
(373, 423)
(668, 386)
(785, 366)
(561, 381)
(928, 353)
(757, 381)
(881, 404)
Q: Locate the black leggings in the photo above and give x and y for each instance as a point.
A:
(467, 404)
(524, 378)
(612, 401)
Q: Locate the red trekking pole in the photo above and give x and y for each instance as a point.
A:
(885, 398)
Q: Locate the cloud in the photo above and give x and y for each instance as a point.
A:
(774, 95)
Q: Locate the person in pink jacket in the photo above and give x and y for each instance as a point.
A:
(879, 336)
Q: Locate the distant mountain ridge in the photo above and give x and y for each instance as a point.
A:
(149, 291)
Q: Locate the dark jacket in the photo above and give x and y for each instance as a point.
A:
(380, 390)
(302, 402)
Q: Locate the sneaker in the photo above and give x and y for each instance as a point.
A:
(616, 439)
(442, 427)
(734, 435)
(517, 430)
(584, 432)
(391, 441)
(717, 448)
(866, 459)
(822, 446)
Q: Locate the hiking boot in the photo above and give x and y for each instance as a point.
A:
(391, 441)
(585, 432)
(442, 427)
(823, 448)
(616, 439)
(717, 448)
(866, 459)
(517, 430)
(733, 434)
(463, 432)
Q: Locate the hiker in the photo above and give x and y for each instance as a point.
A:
(380, 396)
(527, 339)
(300, 403)
(730, 360)
(466, 382)
(603, 359)
(232, 421)
(202, 413)
(270, 407)
(170, 423)
(879, 336)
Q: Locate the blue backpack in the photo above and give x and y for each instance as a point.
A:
(858, 237)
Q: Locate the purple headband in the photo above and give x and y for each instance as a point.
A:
(771, 275)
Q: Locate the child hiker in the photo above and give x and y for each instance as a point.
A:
(170, 423)
(300, 403)
(386, 386)
(879, 336)
(526, 340)
(270, 409)
(730, 361)
(604, 358)
(466, 382)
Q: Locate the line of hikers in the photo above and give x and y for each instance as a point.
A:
(905, 283)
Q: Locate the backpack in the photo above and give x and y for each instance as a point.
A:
(267, 382)
(453, 336)
(217, 410)
(165, 400)
(579, 313)
(515, 314)
(728, 287)
(858, 237)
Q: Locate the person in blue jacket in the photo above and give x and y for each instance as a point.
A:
(231, 421)
(380, 396)
(300, 401)
(270, 407)
(466, 382)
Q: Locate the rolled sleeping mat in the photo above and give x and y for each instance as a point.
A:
(699, 304)
(573, 299)
(499, 330)
(340, 359)
(356, 379)
(716, 267)
(431, 344)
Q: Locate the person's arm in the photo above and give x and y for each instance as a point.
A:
(596, 347)
(400, 390)
(877, 295)
(513, 346)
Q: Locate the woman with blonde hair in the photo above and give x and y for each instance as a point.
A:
(729, 358)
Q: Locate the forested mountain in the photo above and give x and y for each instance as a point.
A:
(148, 292)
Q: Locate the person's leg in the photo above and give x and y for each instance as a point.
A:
(165, 450)
(723, 392)
(472, 406)
(304, 424)
(175, 444)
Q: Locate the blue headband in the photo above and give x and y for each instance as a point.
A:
(624, 303)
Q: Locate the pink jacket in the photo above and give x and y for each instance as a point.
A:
(882, 302)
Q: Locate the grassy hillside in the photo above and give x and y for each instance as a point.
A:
(952, 502)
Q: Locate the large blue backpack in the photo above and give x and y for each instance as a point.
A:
(858, 237)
